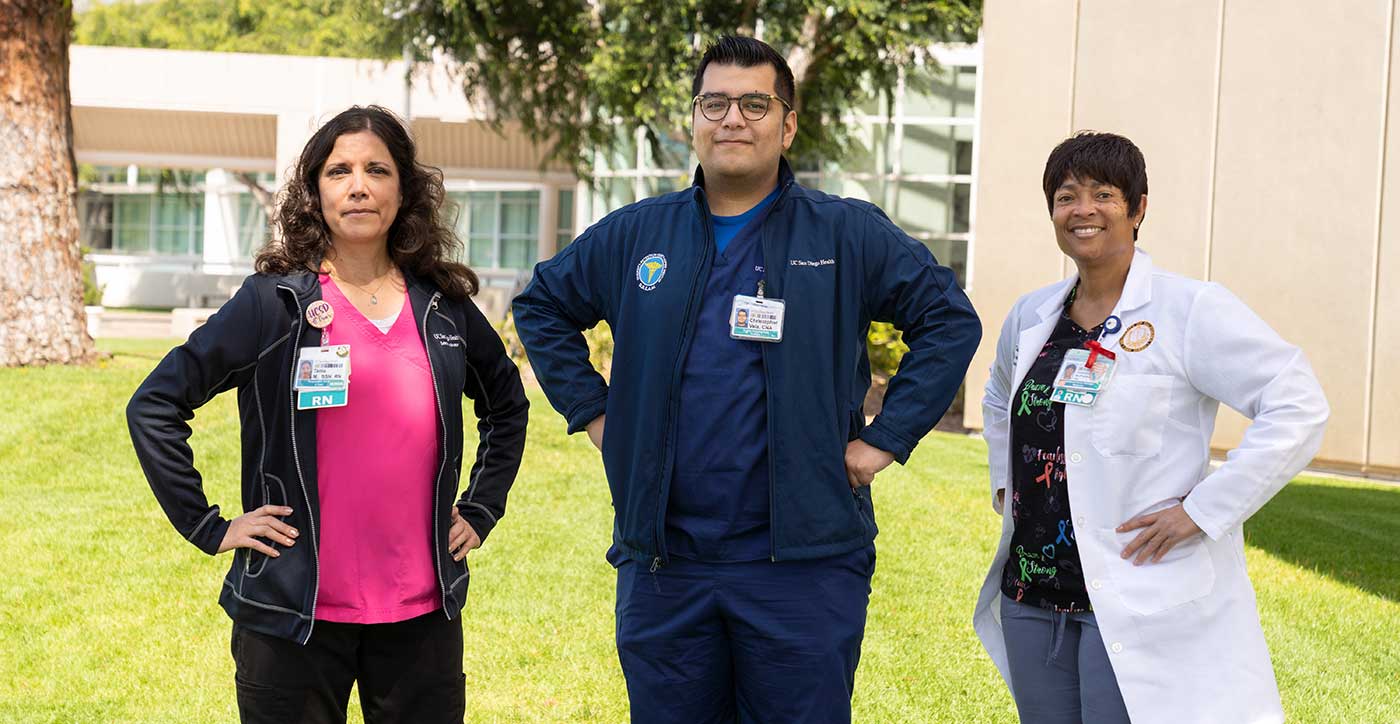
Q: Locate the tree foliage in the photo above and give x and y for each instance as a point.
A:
(349, 29)
(577, 71)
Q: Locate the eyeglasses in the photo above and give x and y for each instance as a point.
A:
(753, 106)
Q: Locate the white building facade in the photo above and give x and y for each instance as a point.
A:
(167, 142)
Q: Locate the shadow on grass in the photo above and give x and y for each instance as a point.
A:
(1346, 532)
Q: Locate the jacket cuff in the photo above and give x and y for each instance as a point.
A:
(1197, 516)
(210, 534)
(478, 517)
(876, 434)
(586, 412)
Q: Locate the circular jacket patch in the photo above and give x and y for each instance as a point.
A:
(651, 271)
(1138, 337)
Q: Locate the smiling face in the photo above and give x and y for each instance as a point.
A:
(1091, 219)
(359, 190)
(735, 147)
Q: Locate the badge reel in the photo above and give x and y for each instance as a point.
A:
(322, 373)
(1085, 373)
(756, 318)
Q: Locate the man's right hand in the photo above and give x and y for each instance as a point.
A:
(595, 432)
(246, 530)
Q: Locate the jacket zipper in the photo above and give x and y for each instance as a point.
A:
(768, 400)
(687, 323)
(442, 454)
(296, 458)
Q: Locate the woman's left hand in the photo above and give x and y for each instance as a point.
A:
(1165, 528)
(461, 538)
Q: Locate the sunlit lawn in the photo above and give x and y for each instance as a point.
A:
(107, 615)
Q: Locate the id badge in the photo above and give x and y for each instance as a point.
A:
(322, 377)
(1076, 383)
(756, 319)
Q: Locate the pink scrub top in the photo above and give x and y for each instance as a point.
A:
(376, 459)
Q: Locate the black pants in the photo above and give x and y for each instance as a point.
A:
(410, 671)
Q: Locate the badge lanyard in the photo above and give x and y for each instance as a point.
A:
(757, 318)
(1085, 373)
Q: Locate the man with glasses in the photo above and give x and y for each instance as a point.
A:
(738, 455)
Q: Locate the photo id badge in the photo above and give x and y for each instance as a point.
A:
(322, 377)
(756, 319)
(1077, 383)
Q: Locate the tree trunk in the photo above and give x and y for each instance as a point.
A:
(41, 284)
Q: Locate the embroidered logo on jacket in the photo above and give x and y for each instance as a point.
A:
(651, 271)
(447, 340)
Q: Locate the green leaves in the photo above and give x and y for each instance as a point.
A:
(572, 72)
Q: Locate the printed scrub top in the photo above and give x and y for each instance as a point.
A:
(1043, 569)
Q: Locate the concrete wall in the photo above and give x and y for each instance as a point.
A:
(1269, 131)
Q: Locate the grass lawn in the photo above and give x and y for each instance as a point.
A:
(107, 615)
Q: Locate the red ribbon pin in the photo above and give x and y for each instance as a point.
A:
(1096, 349)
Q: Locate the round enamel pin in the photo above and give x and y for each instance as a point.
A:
(320, 314)
(1138, 337)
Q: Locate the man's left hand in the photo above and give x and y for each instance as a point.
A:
(863, 460)
(1165, 529)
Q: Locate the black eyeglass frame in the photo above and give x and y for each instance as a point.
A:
(767, 97)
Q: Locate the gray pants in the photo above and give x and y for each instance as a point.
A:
(1060, 673)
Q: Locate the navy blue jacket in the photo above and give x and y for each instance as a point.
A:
(251, 345)
(838, 264)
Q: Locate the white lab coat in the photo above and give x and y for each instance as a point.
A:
(1183, 634)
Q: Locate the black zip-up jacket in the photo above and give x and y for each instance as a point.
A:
(251, 345)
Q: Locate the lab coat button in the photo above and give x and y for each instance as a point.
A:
(1076, 457)
(1079, 521)
(1117, 647)
(1096, 585)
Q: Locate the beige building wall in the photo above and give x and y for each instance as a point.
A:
(1269, 131)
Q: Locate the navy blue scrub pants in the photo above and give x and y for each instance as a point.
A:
(743, 642)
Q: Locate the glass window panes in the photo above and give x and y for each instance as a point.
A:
(95, 220)
(951, 253)
(657, 185)
(564, 228)
(131, 224)
(923, 207)
(932, 149)
(499, 228)
(252, 225)
(674, 154)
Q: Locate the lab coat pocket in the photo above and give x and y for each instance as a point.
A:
(1184, 574)
(1130, 417)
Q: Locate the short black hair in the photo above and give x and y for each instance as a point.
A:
(1104, 157)
(747, 52)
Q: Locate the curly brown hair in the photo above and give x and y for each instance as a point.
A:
(420, 242)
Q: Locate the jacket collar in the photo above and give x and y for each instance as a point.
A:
(1137, 289)
(786, 178)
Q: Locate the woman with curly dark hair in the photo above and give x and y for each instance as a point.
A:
(346, 346)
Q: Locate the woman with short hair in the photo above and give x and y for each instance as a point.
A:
(348, 349)
(1119, 590)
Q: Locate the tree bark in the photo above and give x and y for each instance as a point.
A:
(41, 286)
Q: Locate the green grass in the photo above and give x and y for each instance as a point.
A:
(106, 615)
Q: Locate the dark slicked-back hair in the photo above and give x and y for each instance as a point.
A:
(421, 241)
(1104, 157)
(747, 52)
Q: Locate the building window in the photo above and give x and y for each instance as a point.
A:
(126, 210)
(564, 229)
(499, 228)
